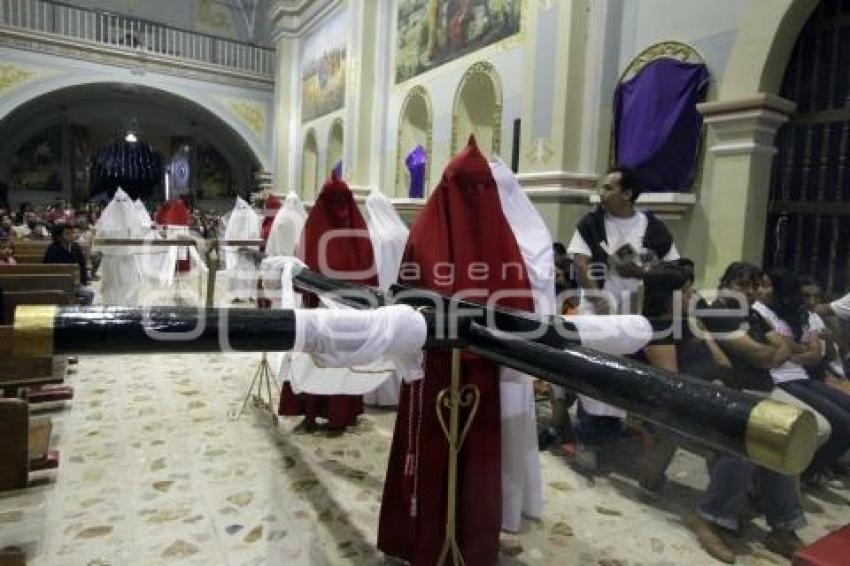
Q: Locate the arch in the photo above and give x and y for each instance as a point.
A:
(335, 145)
(478, 109)
(763, 46)
(35, 89)
(309, 165)
(414, 128)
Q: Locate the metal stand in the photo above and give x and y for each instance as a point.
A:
(451, 400)
(260, 385)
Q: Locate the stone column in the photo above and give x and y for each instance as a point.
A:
(285, 130)
(733, 202)
(554, 111)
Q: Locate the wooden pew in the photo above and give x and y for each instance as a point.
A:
(28, 259)
(25, 444)
(16, 373)
(42, 269)
(11, 299)
(37, 282)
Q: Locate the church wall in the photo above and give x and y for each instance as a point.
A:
(559, 75)
(322, 80)
(441, 83)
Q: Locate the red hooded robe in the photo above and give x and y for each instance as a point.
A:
(335, 209)
(272, 205)
(175, 213)
(461, 224)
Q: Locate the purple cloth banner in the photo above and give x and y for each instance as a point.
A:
(416, 161)
(656, 123)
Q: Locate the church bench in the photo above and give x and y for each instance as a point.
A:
(25, 444)
(27, 259)
(42, 269)
(37, 282)
(31, 246)
(31, 378)
(11, 300)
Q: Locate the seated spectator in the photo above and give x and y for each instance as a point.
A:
(6, 231)
(7, 253)
(65, 250)
(831, 369)
(782, 305)
(730, 477)
(676, 349)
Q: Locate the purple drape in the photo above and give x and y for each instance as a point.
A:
(416, 161)
(656, 123)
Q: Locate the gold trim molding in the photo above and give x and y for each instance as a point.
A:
(252, 113)
(11, 75)
(487, 69)
(663, 50)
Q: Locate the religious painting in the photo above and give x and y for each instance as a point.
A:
(432, 32)
(214, 175)
(323, 61)
(36, 165)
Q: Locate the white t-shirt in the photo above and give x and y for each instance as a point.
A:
(841, 307)
(789, 371)
(619, 232)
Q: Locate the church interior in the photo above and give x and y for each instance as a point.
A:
(424, 282)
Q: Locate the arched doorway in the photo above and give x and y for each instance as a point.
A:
(414, 129)
(49, 140)
(335, 145)
(478, 109)
(808, 225)
(309, 166)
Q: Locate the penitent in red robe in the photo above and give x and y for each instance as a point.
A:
(461, 224)
(345, 256)
(175, 213)
(272, 205)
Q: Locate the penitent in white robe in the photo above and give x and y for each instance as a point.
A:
(153, 261)
(286, 227)
(389, 238)
(242, 224)
(522, 486)
(120, 273)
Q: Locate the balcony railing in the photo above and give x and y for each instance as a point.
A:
(134, 35)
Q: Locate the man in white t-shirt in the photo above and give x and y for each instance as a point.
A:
(614, 245)
(612, 248)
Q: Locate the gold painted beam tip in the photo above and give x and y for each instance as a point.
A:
(33, 331)
(781, 437)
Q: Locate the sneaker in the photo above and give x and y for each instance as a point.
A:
(710, 540)
(784, 543)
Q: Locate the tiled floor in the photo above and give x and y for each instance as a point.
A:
(154, 472)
